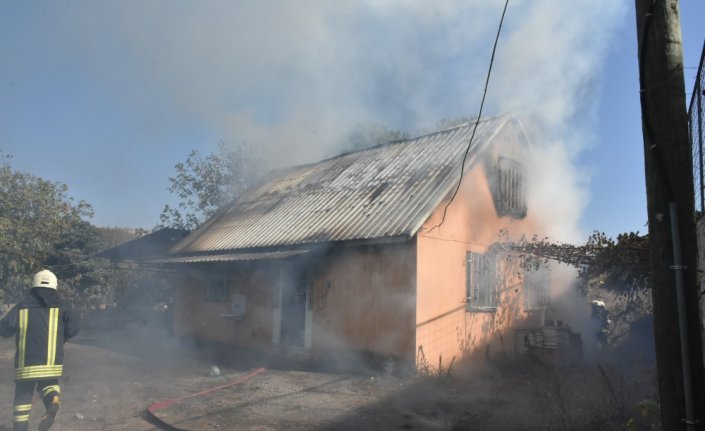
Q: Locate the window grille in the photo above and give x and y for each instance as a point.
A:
(510, 193)
(482, 279)
(216, 290)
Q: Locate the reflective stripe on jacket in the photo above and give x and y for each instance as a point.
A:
(40, 326)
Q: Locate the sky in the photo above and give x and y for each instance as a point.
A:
(107, 97)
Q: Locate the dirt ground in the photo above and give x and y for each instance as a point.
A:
(113, 374)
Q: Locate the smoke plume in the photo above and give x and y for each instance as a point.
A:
(292, 78)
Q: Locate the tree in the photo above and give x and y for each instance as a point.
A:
(619, 268)
(37, 217)
(621, 264)
(205, 184)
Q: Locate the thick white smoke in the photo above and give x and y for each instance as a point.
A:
(547, 73)
(292, 78)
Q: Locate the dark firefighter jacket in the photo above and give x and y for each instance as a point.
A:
(40, 325)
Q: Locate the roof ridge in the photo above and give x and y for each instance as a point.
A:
(464, 124)
(333, 202)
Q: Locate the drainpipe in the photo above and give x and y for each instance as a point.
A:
(678, 267)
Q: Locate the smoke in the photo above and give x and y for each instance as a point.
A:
(292, 78)
(548, 71)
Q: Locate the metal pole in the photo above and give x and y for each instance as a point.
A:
(678, 267)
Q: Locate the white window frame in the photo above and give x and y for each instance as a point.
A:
(482, 281)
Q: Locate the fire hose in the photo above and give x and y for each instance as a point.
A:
(162, 404)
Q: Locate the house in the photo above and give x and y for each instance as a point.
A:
(151, 245)
(370, 251)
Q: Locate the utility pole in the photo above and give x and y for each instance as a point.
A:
(670, 202)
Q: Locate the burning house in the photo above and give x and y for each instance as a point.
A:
(370, 251)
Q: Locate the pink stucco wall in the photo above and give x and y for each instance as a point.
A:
(444, 328)
(364, 300)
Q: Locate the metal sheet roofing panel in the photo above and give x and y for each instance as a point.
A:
(383, 191)
(228, 257)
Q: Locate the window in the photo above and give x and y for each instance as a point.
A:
(537, 289)
(482, 279)
(216, 290)
(509, 189)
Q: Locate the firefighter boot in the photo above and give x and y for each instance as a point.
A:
(52, 403)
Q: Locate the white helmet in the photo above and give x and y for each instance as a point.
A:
(44, 278)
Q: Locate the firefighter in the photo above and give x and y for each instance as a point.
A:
(601, 322)
(40, 325)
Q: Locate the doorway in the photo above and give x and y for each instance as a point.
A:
(293, 315)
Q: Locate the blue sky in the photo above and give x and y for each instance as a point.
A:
(107, 97)
(619, 197)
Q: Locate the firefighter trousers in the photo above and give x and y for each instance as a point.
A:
(47, 389)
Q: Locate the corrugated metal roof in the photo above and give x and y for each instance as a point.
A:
(228, 257)
(379, 192)
(153, 244)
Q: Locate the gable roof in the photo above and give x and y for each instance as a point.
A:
(153, 244)
(387, 191)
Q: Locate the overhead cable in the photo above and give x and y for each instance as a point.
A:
(477, 122)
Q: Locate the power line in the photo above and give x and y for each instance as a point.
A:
(477, 122)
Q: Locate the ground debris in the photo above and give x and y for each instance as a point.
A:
(114, 382)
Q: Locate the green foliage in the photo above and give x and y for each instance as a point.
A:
(621, 266)
(42, 227)
(204, 184)
(617, 270)
(83, 276)
(39, 224)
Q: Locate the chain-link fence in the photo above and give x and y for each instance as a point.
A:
(696, 124)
